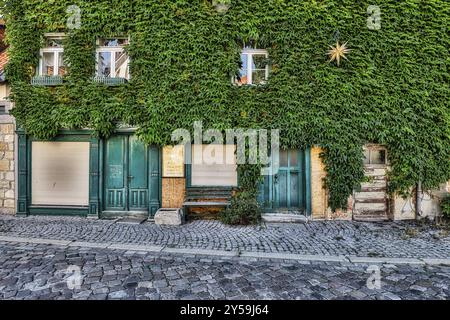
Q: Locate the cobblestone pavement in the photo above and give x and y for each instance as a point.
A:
(38, 271)
(392, 240)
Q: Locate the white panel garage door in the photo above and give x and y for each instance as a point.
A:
(60, 173)
(207, 172)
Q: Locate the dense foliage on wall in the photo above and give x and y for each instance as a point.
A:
(392, 90)
(445, 207)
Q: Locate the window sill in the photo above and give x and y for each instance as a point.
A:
(47, 81)
(110, 81)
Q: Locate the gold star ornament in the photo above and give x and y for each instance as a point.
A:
(338, 52)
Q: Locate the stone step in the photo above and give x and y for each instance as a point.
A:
(284, 218)
(371, 218)
(375, 172)
(370, 195)
(373, 189)
(368, 201)
(379, 183)
(367, 208)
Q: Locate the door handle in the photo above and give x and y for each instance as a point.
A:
(275, 178)
(130, 177)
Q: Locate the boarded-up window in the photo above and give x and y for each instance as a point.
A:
(214, 165)
(60, 173)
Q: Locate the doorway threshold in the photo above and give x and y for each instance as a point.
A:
(131, 220)
(284, 218)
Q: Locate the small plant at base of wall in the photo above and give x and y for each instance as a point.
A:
(445, 207)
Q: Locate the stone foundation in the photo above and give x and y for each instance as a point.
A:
(173, 192)
(319, 194)
(7, 173)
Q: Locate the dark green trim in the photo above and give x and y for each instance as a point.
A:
(58, 211)
(188, 164)
(94, 178)
(155, 181)
(308, 199)
(22, 178)
(47, 81)
(24, 205)
(108, 81)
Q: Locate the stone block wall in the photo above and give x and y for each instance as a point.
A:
(7, 165)
(7, 155)
(319, 194)
(173, 192)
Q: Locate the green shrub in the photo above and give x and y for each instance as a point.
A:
(244, 210)
(445, 206)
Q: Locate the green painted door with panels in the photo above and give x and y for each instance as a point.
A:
(284, 189)
(126, 175)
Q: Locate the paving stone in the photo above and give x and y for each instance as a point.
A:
(315, 238)
(118, 295)
(37, 270)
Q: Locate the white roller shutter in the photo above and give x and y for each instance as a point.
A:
(60, 173)
(208, 172)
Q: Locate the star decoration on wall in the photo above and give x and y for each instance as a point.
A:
(338, 52)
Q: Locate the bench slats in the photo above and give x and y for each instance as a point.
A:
(206, 204)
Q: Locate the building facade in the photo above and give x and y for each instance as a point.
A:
(79, 173)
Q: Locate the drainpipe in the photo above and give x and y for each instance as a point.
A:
(418, 200)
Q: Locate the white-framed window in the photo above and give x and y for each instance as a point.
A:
(51, 61)
(112, 59)
(255, 67)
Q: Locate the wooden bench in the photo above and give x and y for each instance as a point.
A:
(198, 197)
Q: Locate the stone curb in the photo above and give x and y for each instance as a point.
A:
(386, 260)
(236, 254)
(291, 256)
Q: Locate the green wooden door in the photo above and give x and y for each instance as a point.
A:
(285, 190)
(126, 175)
(137, 175)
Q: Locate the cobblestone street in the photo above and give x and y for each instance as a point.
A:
(336, 238)
(36, 271)
(75, 258)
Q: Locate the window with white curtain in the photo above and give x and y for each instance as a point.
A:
(112, 59)
(255, 67)
(52, 57)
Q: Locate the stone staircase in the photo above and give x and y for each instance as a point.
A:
(371, 203)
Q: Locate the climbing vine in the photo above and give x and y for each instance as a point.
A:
(392, 90)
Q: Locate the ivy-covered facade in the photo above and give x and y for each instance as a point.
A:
(104, 84)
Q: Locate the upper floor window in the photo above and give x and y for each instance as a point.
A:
(255, 67)
(52, 57)
(112, 60)
(375, 155)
